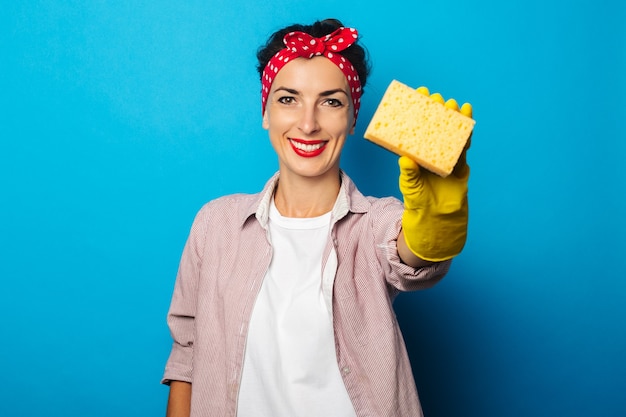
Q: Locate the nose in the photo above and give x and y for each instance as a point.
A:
(308, 122)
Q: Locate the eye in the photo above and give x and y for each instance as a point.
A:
(333, 102)
(286, 100)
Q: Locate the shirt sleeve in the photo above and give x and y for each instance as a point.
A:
(387, 223)
(182, 311)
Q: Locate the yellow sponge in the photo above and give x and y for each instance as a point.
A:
(412, 124)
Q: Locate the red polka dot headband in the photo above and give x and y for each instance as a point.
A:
(303, 45)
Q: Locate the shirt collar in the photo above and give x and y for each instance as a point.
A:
(348, 200)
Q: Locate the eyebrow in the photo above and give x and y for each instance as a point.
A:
(331, 92)
(322, 94)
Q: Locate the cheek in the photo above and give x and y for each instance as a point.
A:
(342, 125)
(278, 119)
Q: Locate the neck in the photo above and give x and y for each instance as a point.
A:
(306, 197)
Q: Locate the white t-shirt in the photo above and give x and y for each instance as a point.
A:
(290, 367)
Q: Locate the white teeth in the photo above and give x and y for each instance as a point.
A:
(307, 147)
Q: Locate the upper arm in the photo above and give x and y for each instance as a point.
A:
(182, 311)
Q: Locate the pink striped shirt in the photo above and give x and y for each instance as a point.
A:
(220, 274)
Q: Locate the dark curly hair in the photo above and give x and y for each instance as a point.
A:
(356, 54)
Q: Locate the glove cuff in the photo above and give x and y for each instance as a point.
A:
(436, 241)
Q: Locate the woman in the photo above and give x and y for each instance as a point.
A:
(283, 301)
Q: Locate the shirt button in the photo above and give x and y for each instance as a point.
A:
(345, 370)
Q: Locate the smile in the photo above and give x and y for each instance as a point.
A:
(308, 148)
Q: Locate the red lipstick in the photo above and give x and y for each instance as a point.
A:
(307, 148)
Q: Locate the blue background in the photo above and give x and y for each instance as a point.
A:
(119, 119)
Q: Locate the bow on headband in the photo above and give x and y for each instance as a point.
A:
(303, 45)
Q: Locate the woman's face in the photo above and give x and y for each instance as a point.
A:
(309, 116)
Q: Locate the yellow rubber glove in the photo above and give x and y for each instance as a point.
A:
(435, 208)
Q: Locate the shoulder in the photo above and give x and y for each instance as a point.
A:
(234, 210)
(385, 203)
(229, 206)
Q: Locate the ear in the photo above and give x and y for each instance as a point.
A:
(352, 128)
(266, 123)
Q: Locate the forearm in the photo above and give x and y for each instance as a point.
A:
(179, 401)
